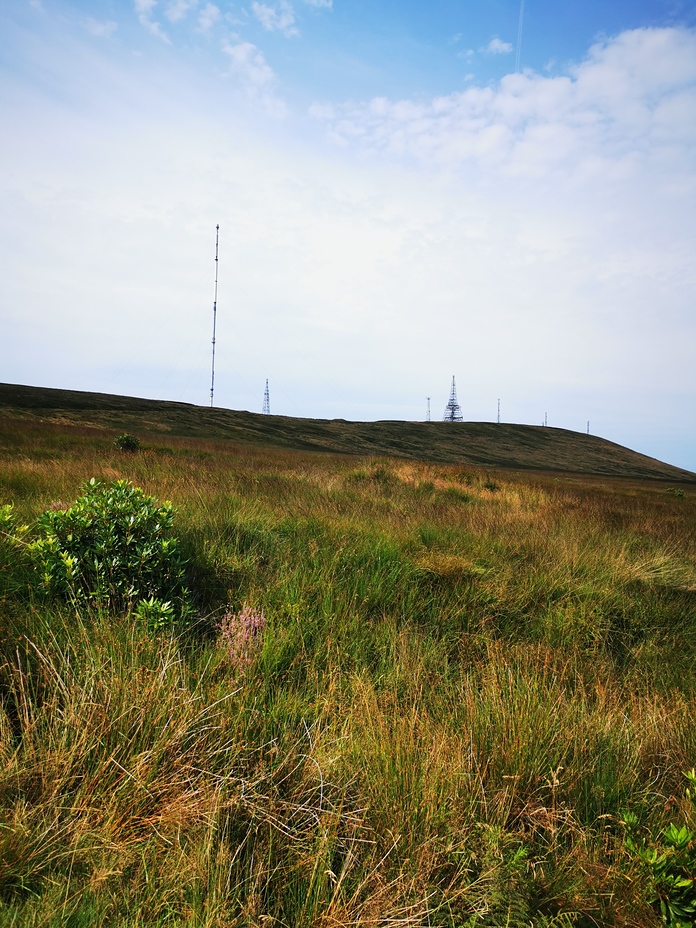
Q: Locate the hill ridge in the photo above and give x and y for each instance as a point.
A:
(486, 444)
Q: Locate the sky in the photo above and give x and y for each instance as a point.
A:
(406, 192)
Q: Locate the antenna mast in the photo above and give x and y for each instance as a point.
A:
(453, 411)
(266, 401)
(498, 412)
(212, 374)
(427, 418)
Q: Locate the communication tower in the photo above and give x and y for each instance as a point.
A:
(453, 412)
(266, 401)
(427, 416)
(212, 374)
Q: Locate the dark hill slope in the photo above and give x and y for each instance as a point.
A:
(475, 443)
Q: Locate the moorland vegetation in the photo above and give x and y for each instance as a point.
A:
(362, 691)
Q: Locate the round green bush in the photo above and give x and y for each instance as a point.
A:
(127, 442)
(113, 548)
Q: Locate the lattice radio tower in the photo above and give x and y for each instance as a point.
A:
(212, 373)
(453, 412)
(266, 401)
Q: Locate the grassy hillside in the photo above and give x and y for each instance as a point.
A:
(468, 698)
(474, 443)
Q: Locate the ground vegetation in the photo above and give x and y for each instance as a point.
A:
(401, 694)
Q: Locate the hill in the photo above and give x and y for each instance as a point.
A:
(484, 444)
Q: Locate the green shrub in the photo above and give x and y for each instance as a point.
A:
(10, 532)
(127, 442)
(670, 862)
(155, 614)
(112, 549)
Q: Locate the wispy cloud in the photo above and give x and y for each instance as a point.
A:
(280, 18)
(320, 4)
(144, 10)
(248, 63)
(496, 46)
(101, 29)
(255, 75)
(179, 9)
(207, 17)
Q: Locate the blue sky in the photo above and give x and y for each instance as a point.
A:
(399, 201)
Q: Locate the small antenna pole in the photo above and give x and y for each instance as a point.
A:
(212, 372)
(588, 426)
(427, 416)
(546, 419)
(498, 412)
(266, 401)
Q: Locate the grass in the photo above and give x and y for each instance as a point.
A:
(467, 676)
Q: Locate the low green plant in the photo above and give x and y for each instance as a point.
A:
(155, 614)
(10, 531)
(126, 442)
(670, 862)
(114, 548)
(14, 562)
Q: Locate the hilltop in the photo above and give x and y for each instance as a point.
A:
(484, 444)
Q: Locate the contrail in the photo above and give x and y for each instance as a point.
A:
(519, 38)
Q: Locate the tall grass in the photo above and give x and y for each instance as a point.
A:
(465, 679)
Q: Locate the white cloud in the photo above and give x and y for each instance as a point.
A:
(248, 63)
(633, 99)
(497, 47)
(280, 18)
(320, 4)
(144, 9)
(256, 76)
(101, 29)
(178, 9)
(208, 16)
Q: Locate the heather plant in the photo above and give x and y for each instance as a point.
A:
(242, 634)
(112, 549)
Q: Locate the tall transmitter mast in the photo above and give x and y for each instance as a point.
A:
(212, 375)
